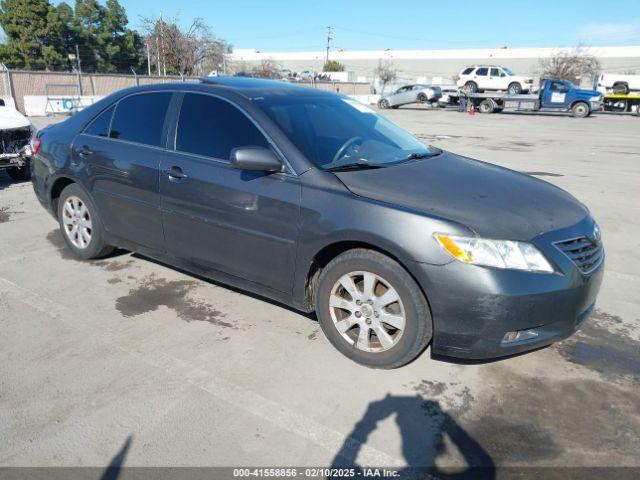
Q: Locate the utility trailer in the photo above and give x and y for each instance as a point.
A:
(553, 96)
(622, 103)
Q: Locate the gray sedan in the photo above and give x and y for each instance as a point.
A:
(315, 201)
(418, 93)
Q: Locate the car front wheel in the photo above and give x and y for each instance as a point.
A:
(372, 310)
(80, 224)
(580, 110)
(515, 88)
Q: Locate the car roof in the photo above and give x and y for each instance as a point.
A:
(247, 87)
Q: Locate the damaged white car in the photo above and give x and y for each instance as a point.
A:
(16, 132)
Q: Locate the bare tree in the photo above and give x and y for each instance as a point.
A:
(571, 65)
(194, 51)
(386, 73)
(267, 69)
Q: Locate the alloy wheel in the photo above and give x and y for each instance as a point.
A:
(367, 311)
(77, 222)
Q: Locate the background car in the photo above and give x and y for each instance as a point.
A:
(411, 94)
(616, 83)
(478, 78)
(16, 132)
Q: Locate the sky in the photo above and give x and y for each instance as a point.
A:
(295, 25)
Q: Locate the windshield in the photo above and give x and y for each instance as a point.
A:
(509, 71)
(334, 131)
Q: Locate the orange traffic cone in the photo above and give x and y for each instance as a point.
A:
(472, 110)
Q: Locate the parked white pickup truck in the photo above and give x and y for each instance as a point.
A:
(16, 132)
(617, 83)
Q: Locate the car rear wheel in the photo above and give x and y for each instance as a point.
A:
(471, 87)
(422, 98)
(580, 110)
(80, 224)
(621, 88)
(514, 88)
(372, 310)
(383, 103)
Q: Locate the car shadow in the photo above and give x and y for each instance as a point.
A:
(310, 316)
(6, 181)
(427, 432)
(113, 470)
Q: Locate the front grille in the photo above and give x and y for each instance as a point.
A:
(586, 253)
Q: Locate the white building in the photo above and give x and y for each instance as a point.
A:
(413, 64)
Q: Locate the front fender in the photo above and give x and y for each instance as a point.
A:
(331, 214)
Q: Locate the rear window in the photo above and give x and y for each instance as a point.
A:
(212, 127)
(482, 71)
(140, 118)
(467, 71)
(100, 125)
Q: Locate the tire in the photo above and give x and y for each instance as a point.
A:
(620, 87)
(70, 202)
(580, 110)
(514, 88)
(422, 98)
(471, 87)
(410, 314)
(20, 174)
(383, 103)
(487, 106)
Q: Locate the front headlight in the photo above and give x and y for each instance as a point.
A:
(495, 253)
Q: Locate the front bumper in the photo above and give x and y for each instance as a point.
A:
(474, 307)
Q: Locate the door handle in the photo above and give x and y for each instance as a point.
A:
(175, 173)
(84, 151)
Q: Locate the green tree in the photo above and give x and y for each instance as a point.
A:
(104, 41)
(34, 35)
(333, 66)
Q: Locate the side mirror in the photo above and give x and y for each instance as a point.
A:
(259, 159)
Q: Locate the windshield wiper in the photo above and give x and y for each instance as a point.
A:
(353, 166)
(415, 156)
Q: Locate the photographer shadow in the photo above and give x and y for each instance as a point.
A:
(423, 427)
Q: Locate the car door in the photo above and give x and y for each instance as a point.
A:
(555, 95)
(122, 149)
(239, 222)
(497, 79)
(481, 76)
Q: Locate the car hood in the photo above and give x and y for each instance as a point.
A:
(591, 93)
(494, 202)
(11, 118)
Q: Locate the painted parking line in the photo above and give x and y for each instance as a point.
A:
(239, 397)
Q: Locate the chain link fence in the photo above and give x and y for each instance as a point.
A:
(18, 83)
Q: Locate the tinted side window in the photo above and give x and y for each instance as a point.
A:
(482, 71)
(140, 118)
(100, 125)
(212, 127)
(495, 72)
(467, 71)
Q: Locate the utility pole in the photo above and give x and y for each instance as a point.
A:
(329, 38)
(79, 70)
(148, 57)
(158, 54)
(164, 60)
